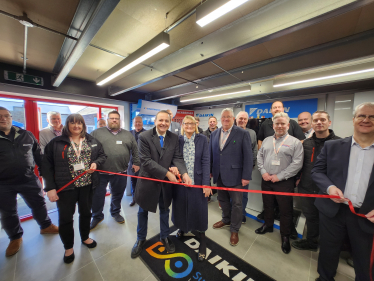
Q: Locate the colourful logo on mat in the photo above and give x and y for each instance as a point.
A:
(167, 257)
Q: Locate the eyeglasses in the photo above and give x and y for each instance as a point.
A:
(6, 116)
(113, 119)
(227, 117)
(189, 124)
(363, 117)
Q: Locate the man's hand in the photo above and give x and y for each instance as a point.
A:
(136, 168)
(207, 191)
(52, 195)
(370, 216)
(174, 170)
(171, 177)
(187, 180)
(274, 178)
(92, 168)
(333, 190)
(266, 177)
(245, 182)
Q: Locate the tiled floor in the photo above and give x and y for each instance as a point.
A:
(40, 257)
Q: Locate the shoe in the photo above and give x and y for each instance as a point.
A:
(200, 257)
(350, 262)
(132, 203)
(69, 259)
(294, 235)
(118, 218)
(179, 234)
(13, 247)
(220, 224)
(244, 220)
(263, 229)
(94, 223)
(92, 245)
(261, 216)
(170, 247)
(286, 247)
(137, 249)
(52, 229)
(304, 244)
(234, 239)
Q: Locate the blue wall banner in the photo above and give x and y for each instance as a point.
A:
(292, 108)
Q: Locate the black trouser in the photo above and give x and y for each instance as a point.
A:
(32, 194)
(66, 209)
(311, 214)
(285, 204)
(332, 234)
(134, 181)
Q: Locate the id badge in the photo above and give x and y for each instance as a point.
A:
(275, 162)
(118, 142)
(78, 167)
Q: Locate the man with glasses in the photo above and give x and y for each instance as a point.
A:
(345, 168)
(54, 129)
(19, 151)
(118, 145)
(231, 166)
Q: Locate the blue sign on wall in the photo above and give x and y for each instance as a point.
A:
(292, 108)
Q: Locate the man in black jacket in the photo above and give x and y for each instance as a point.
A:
(312, 148)
(19, 150)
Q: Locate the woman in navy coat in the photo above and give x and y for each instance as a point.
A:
(190, 205)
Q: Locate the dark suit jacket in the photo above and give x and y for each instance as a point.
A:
(331, 168)
(235, 161)
(154, 163)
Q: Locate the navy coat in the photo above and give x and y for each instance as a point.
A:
(331, 168)
(190, 206)
(235, 161)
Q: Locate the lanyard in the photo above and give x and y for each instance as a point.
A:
(311, 133)
(78, 153)
(277, 151)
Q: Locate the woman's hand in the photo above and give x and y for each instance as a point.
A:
(174, 170)
(52, 195)
(92, 168)
(207, 191)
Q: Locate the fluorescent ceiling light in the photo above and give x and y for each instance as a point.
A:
(156, 45)
(208, 97)
(325, 77)
(216, 13)
(338, 101)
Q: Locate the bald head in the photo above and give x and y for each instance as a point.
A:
(305, 121)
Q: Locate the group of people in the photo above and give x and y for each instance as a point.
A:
(306, 154)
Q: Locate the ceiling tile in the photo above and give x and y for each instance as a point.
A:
(200, 71)
(161, 84)
(366, 20)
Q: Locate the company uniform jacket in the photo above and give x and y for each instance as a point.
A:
(235, 161)
(331, 168)
(155, 162)
(175, 128)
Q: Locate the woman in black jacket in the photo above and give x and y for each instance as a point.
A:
(66, 157)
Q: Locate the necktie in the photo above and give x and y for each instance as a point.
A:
(161, 141)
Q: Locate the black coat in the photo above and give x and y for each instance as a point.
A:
(190, 206)
(154, 163)
(312, 148)
(55, 167)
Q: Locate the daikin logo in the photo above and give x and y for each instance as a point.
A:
(251, 110)
(204, 115)
(260, 111)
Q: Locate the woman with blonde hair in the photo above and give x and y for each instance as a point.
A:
(190, 205)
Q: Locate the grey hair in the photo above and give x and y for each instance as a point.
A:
(137, 116)
(242, 112)
(281, 114)
(50, 113)
(228, 109)
(368, 104)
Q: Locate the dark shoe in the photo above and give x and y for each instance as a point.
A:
(294, 235)
(92, 245)
(132, 203)
(137, 249)
(94, 223)
(304, 244)
(169, 246)
(52, 229)
(118, 218)
(286, 247)
(234, 239)
(69, 259)
(261, 215)
(263, 229)
(180, 233)
(13, 247)
(200, 257)
(244, 220)
(350, 262)
(220, 224)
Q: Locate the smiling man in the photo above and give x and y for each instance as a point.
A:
(54, 129)
(305, 122)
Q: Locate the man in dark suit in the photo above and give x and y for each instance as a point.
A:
(158, 149)
(345, 168)
(231, 164)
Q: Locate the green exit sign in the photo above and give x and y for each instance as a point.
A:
(23, 78)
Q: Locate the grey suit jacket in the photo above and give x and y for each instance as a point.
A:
(155, 162)
(175, 128)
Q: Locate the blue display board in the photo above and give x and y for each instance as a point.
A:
(292, 108)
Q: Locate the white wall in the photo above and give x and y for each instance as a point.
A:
(363, 97)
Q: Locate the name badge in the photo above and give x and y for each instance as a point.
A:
(275, 162)
(119, 142)
(26, 144)
(93, 145)
(176, 130)
(78, 167)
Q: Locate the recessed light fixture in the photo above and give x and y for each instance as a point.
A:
(325, 77)
(212, 10)
(220, 95)
(339, 101)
